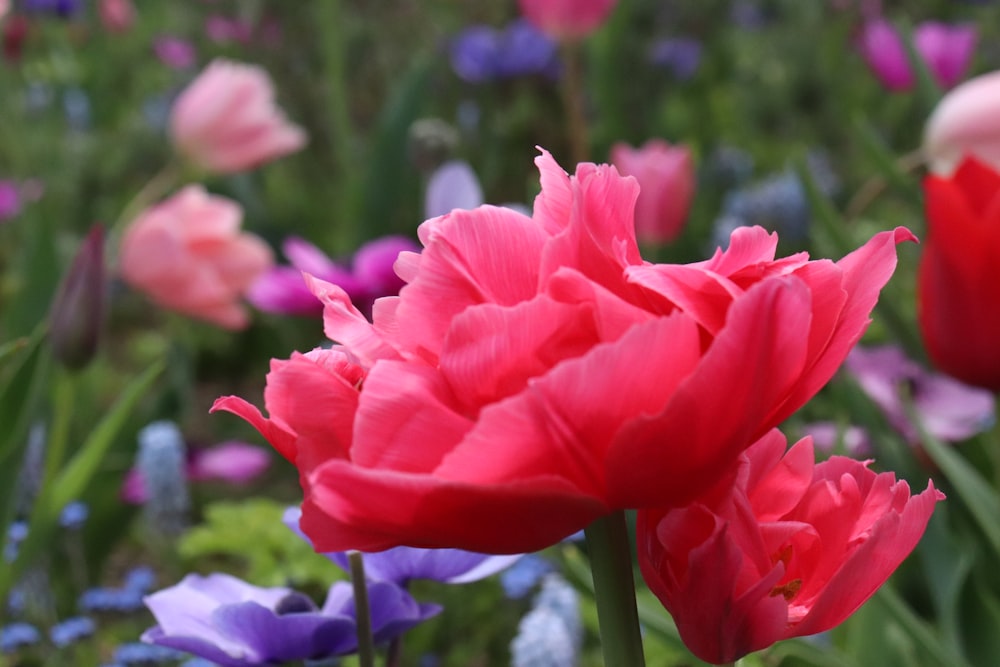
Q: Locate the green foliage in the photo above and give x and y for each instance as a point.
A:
(250, 535)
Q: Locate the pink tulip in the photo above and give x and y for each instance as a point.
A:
(567, 19)
(535, 373)
(117, 15)
(946, 50)
(966, 121)
(226, 120)
(188, 254)
(789, 549)
(666, 187)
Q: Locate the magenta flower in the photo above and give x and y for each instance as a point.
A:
(234, 624)
(10, 200)
(949, 410)
(231, 461)
(947, 51)
(175, 52)
(368, 276)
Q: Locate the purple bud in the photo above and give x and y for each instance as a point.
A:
(79, 307)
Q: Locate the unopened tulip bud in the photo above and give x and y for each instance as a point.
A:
(79, 307)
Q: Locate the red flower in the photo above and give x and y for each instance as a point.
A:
(567, 19)
(958, 292)
(789, 549)
(535, 373)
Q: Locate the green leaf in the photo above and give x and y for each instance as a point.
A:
(975, 492)
(73, 479)
(886, 162)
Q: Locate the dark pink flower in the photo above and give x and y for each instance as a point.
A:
(175, 52)
(368, 276)
(790, 548)
(947, 51)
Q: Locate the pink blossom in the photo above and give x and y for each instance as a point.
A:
(965, 121)
(187, 254)
(666, 180)
(117, 15)
(567, 19)
(226, 120)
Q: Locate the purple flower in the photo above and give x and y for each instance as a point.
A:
(232, 461)
(62, 8)
(235, 624)
(369, 276)
(948, 409)
(10, 200)
(827, 435)
(481, 53)
(680, 55)
(403, 564)
(947, 51)
(452, 185)
(174, 52)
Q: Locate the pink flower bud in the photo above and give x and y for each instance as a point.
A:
(117, 15)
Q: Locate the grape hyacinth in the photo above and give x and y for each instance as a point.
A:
(551, 633)
(162, 463)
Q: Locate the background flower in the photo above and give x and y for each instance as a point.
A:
(226, 119)
(187, 253)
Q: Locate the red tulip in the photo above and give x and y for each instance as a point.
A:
(788, 549)
(958, 300)
(567, 19)
(666, 187)
(535, 373)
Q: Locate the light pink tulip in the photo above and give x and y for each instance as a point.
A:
(117, 15)
(567, 19)
(666, 186)
(188, 254)
(966, 121)
(227, 121)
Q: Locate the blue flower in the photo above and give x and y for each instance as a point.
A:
(524, 575)
(232, 623)
(550, 634)
(18, 635)
(74, 515)
(480, 53)
(72, 630)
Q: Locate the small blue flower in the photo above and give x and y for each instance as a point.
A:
(138, 653)
(551, 634)
(522, 576)
(680, 55)
(119, 600)
(18, 635)
(74, 515)
(72, 630)
(140, 580)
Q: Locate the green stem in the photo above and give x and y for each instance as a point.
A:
(362, 610)
(614, 589)
(574, 103)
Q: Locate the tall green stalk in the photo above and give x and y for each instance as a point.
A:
(614, 589)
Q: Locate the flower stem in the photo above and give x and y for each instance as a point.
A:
(366, 645)
(574, 102)
(614, 588)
